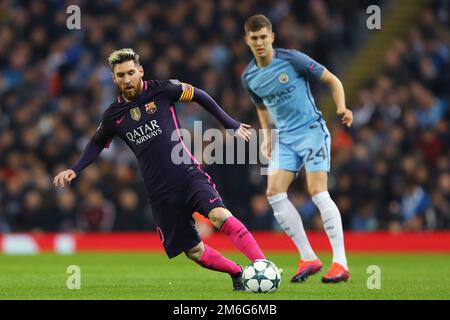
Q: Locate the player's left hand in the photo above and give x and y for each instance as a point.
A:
(66, 175)
(243, 132)
(346, 116)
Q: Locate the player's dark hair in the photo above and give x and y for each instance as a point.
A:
(257, 22)
(123, 55)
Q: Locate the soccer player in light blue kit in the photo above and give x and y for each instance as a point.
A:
(277, 82)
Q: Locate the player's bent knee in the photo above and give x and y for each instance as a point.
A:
(195, 253)
(217, 216)
(316, 190)
(273, 192)
(270, 193)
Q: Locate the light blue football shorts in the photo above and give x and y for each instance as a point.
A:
(310, 148)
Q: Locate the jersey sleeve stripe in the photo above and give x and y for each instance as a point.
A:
(182, 95)
(191, 93)
(188, 93)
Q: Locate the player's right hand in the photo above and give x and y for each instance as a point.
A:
(66, 175)
(266, 148)
(346, 116)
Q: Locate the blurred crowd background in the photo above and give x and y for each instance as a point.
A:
(390, 170)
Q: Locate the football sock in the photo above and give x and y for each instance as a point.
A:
(332, 224)
(241, 238)
(291, 222)
(212, 259)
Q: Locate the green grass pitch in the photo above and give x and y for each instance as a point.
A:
(153, 276)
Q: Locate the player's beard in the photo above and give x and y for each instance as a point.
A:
(132, 94)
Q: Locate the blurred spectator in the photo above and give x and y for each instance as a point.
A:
(34, 214)
(441, 201)
(414, 203)
(96, 213)
(306, 209)
(66, 210)
(429, 108)
(262, 218)
(365, 218)
(130, 214)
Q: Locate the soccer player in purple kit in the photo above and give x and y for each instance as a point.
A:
(144, 117)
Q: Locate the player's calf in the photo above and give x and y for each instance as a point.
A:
(195, 253)
(240, 237)
(211, 259)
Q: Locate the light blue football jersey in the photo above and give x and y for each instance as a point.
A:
(282, 86)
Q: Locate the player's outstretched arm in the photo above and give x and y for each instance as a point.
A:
(338, 94)
(203, 99)
(90, 153)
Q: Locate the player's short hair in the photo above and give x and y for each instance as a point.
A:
(123, 55)
(257, 22)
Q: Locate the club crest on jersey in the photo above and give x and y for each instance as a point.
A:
(135, 114)
(283, 77)
(150, 107)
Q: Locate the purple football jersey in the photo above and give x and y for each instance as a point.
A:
(146, 125)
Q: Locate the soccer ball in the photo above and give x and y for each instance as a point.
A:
(261, 276)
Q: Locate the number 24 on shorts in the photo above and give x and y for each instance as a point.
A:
(310, 155)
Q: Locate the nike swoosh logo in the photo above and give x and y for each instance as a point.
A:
(118, 121)
(215, 199)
